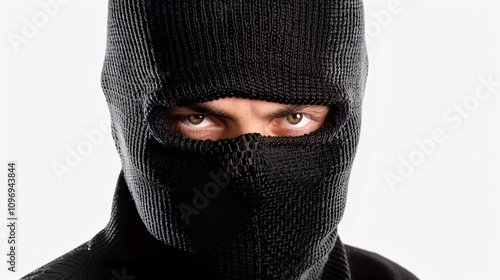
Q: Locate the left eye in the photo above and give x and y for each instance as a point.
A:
(297, 119)
(197, 121)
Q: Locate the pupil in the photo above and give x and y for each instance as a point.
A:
(196, 119)
(294, 118)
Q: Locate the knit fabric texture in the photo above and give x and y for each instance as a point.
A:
(125, 250)
(252, 207)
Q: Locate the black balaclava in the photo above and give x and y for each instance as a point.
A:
(252, 207)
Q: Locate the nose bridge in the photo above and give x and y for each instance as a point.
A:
(250, 127)
(250, 123)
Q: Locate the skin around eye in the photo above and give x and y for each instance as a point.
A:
(196, 125)
(232, 117)
(199, 121)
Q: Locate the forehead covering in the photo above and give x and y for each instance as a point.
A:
(276, 212)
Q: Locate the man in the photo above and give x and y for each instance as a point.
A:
(237, 124)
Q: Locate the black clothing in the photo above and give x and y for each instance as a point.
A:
(252, 207)
(124, 250)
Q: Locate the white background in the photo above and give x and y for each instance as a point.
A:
(441, 222)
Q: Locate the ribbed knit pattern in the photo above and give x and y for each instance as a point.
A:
(278, 216)
(73, 265)
(124, 250)
(252, 207)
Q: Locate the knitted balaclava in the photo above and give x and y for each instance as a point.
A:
(253, 207)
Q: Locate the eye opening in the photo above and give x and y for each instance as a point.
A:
(336, 118)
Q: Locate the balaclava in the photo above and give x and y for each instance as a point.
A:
(252, 207)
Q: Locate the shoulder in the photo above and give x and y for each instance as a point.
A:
(366, 265)
(73, 265)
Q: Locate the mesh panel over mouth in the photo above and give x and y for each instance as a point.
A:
(278, 213)
(282, 201)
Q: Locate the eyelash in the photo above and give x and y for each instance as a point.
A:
(176, 120)
(184, 118)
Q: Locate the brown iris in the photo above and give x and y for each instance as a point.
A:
(295, 118)
(195, 119)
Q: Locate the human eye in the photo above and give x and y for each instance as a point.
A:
(294, 124)
(297, 120)
(196, 120)
(192, 124)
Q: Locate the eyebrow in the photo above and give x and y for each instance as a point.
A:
(205, 108)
